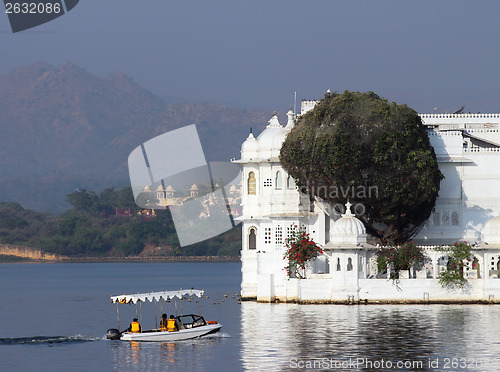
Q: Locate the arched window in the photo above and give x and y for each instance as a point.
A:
(252, 184)
(338, 264)
(252, 238)
(290, 183)
(476, 266)
(349, 264)
(278, 180)
(442, 262)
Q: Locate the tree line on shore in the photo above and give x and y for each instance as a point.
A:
(104, 224)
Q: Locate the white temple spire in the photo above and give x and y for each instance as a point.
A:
(274, 122)
(348, 212)
(291, 119)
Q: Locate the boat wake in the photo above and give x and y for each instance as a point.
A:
(47, 340)
(217, 335)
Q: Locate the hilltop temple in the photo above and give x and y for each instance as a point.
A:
(467, 148)
(163, 197)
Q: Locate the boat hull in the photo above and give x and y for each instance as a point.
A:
(183, 334)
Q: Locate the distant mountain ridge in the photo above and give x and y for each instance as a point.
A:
(65, 128)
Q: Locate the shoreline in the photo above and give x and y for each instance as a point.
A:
(375, 302)
(130, 259)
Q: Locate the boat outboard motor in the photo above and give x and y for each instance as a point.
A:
(113, 334)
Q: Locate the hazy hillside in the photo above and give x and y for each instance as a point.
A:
(64, 128)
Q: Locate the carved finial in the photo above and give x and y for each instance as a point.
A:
(348, 209)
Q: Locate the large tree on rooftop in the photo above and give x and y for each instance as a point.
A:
(359, 147)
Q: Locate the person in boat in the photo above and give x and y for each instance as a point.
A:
(172, 324)
(163, 323)
(135, 326)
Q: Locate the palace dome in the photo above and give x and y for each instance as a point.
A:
(249, 148)
(348, 229)
(491, 231)
(267, 144)
(278, 139)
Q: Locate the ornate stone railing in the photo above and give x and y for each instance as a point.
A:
(459, 116)
(481, 149)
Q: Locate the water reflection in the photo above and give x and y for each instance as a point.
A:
(411, 337)
(135, 349)
(191, 355)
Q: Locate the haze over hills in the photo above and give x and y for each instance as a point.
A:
(64, 128)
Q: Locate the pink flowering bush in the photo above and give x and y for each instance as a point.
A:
(300, 249)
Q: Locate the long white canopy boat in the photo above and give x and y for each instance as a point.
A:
(186, 326)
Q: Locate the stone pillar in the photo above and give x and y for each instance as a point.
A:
(357, 255)
(486, 265)
(435, 258)
(362, 270)
(320, 228)
(355, 264)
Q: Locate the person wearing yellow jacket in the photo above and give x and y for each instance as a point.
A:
(163, 323)
(171, 324)
(135, 326)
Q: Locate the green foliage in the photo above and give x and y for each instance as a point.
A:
(402, 257)
(300, 249)
(457, 254)
(92, 228)
(19, 225)
(13, 223)
(82, 200)
(104, 203)
(360, 147)
(68, 224)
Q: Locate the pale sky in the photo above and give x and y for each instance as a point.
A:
(255, 54)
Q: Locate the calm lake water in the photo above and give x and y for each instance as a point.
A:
(53, 318)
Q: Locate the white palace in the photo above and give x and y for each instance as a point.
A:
(467, 147)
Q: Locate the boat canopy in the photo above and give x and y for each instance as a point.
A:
(155, 296)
